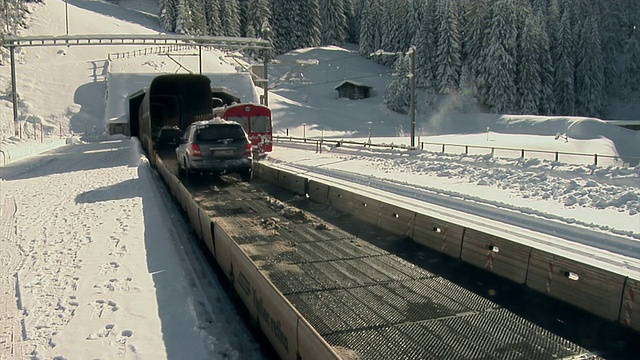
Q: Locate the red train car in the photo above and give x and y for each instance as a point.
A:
(255, 119)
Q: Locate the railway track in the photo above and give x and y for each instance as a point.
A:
(372, 294)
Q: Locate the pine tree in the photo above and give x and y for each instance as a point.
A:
(167, 14)
(631, 71)
(308, 26)
(282, 24)
(183, 17)
(426, 44)
(611, 41)
(564, 84)
(230, 17)
(500, 74)
(212, 15)
(369, 23)
(353, 20)
(540, 6)
(396, 36)
(477, 15)
(197, 17)
(590, 82)
(529, 81)
(258, 12)
(397, 94)
(449, 49)
(387, 26)
(243, 10)
(334, 22)
(467, 91)
(547, 100)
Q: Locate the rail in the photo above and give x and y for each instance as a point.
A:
(148, 51)
(442, 148)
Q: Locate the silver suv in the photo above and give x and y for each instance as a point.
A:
(215, 146)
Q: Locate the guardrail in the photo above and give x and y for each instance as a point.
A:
(156, 50)
(463, 149)
(148, 51)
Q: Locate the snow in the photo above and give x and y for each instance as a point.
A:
(95, 247)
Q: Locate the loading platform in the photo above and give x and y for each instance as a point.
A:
(318, 291)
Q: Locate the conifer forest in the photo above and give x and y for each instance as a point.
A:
(539, 57)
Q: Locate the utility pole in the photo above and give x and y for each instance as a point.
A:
(412, 107)
(66, 15)
(412, 85)
(14, 88)
(266, 34)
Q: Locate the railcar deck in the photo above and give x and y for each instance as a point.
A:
(367, 302)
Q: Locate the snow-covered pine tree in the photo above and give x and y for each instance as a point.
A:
(631, 70)
(230, 17)
(183, 17)
(477, 15)
(258, 11)
(308, 24)
(547, 100)
(467, 91)
(590, 83)
(564, 83)
(398, 28)
(352, 11)
(167, 14)
(282, 23)
(540, 6)
(212, 16)
(426, 44)
(610, 41)
(198, 21)
(500, 73)
(630, 19)
(369, 23)
(397, 94)
(528, 79)
(243, 10)
(448, 49)
(333, 22)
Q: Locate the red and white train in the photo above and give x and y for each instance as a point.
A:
(256, 121)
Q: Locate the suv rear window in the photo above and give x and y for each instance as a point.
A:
(220, 132)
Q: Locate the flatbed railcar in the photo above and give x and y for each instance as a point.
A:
(318, 292)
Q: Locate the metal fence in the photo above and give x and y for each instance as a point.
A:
(494, 151)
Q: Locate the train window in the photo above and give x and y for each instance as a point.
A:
(260, 124)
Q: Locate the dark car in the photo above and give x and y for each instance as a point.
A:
(215, 146)
(168, 136)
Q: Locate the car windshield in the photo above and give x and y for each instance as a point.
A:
(220, 132)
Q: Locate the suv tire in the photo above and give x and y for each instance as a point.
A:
(246, 175)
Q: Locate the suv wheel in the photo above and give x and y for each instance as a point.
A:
(246, 175)
(187, 171)
(180, 168)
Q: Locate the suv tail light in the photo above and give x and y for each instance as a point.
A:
(248, 149)
(194, 150)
